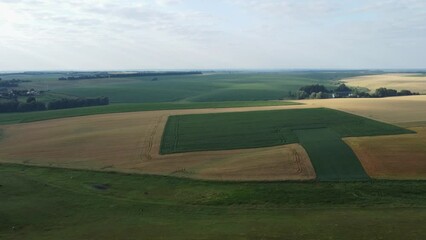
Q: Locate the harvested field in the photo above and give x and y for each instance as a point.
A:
(130, 142)
(393, 157)
(118, 142)
(319, 130)
(394, 110)
(388, 157)
(412, 82)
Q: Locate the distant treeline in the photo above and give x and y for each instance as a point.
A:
(15, 106)
(32, 105)
(123, 75)
(78, 102)
(11, 83)
(342, 91)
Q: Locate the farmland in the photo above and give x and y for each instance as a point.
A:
(212, 120)
(130, 142)
(47, 203)
(237, 170)
(412, 82)
(9, 118)
(318, 130)
(209, 87)
(393, 110)
(331, 157)
(186, 133)
(397, 157)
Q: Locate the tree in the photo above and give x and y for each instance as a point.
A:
(31, 99)
(384, 92)
(321, 95)
(405, 93)
(343, 88)
(314, 89)
(302, 95)
(381, 92)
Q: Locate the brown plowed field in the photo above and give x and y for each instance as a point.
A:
(393, 157)
(130, 142)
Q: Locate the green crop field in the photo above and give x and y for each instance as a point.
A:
(201, 132)
(47, 203)
(210, 87)
(220, 131)
(9, 118)
(331, 157)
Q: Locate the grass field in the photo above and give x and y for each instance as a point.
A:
(331, 157)
(186, 133)
(10, 118)
(45, 203)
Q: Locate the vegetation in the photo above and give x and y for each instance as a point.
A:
(319, 92)
(46, 203)
(15, 106)
(77, 76)
(385, 92)
(32, 104)
(220, 131)
(79, 102)
(331, 157)
(8, 118)
(314, 89)
(209, 87)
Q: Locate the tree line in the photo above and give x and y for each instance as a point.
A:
(320, 91)
(32, 104)
(78, 102)
(123, 75)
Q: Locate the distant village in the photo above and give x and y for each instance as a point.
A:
(8, 89)
(13, 99)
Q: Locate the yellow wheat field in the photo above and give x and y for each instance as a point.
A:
(130, 142)
(412, 82)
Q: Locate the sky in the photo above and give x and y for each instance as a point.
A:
(212, 34)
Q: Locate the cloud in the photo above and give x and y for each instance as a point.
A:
(212, 34)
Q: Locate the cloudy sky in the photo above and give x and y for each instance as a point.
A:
(211, 34)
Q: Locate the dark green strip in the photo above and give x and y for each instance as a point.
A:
(332, 159)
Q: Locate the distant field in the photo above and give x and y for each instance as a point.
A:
(9, 118)
(46, 203)
(394, 110)
(412, 82)
(211, 87)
